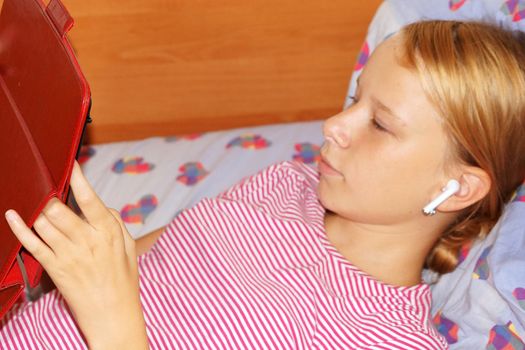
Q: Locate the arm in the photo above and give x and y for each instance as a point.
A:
(144, 243)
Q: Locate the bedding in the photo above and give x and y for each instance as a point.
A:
(481, 305)
(151, 180)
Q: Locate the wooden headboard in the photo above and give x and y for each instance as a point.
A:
(163, 67)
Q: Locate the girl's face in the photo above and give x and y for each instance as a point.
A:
(384, 156)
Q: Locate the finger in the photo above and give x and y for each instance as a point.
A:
(29, 240)
(72, 203)
(54, 239)
(125, 234)
(91, 205)
(66, 221)
(129, 242)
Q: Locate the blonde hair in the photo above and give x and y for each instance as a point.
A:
(474, 73)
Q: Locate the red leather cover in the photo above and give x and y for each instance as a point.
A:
(44, 101)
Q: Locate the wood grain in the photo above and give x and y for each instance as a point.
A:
(163, 67)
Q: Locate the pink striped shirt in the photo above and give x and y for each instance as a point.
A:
(251, 269)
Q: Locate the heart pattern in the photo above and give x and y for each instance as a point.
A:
(463, 252)
(519, 294)
(189, 137)
(515, 9)
(86, 153)
(307, 153)
(519, 196)
(362, 58)
(455, 5)
(138, 212)
(132, 165)
(504, 337)
(249, 141)
(446, 327)
(481, 270)
(191, 173)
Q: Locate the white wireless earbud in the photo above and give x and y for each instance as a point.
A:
(450, 189)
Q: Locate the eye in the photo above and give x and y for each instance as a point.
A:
(377, 126)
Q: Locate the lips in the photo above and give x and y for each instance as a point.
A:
(325, 168)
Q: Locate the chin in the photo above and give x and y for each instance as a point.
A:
(322, 198)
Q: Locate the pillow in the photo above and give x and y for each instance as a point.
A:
(481, 305)
(394, 14)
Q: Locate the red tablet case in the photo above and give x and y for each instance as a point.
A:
(44, 105)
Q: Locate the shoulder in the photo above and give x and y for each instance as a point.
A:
(294, 176)
(285, 191)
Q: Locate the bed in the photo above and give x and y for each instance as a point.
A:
(187, 113)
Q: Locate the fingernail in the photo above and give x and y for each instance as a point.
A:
(10, 215)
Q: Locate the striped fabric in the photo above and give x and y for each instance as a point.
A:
(251, 269)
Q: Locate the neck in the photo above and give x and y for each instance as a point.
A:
(393, 254)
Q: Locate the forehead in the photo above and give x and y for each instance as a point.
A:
(385, 64)
(395, 85)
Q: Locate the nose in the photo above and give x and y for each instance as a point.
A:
(336, 129)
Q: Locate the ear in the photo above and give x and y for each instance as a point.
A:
(474, 184)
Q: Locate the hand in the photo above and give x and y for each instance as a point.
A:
(92, 262)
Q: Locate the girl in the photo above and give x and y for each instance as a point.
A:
(291, 258)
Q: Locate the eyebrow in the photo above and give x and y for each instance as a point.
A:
(388, 110)
(384, 107)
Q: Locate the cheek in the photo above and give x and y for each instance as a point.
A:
(384, 188)
(385, 180)
(406, 182)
